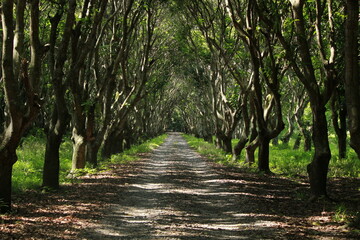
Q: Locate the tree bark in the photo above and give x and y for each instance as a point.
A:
(112, 144)
(21, 110)
(79, 147)
(302, 126)
(227, 145)
(7, 160)
(250, 152)
(92, 146)
(264, 150)
(286, 138)
(318, 168)
(307, 140)
(55, 135)
(239, 147)
(52, 162)
(352, 83)
(60, 117)
(338, 108)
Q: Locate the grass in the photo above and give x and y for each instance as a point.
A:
(286, 161)
(283, 159)
(132, 154)
(27, 171)
(209, 150)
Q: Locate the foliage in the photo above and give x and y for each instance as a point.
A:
(27, 172)
(132, 154)
(283, 159)
(208, 150)
(341, 214)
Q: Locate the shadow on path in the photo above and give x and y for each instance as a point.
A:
(179, 196)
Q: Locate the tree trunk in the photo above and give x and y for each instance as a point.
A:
(79, 146)
(92, 145)
(297, 142)
(106, 149)
(7, 160)
(250, 152)
(112, 145)
(239, 147)
(286, 138)
(218, 142)
(342, 143)
(208, 138)
(60, 117)
(55, 135)
(352, 86)
(21, 99)
(127, 144)
(304, 132)
(318, 168)
(227, 146)
(338, 116)
(307, 140)
(92, 149)
(263, 155)
(52, 162)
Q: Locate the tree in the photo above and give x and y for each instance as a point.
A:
(137, 58)
(352, 72)
(226, 96)
(21, 84)
(83, 42)
(267, 70)
(319, 82)
(60, 116)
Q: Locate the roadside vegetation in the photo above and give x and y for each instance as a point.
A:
(292, 164)
(27, 173)
(283, 159)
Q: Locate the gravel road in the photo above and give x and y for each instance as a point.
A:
(178, 195)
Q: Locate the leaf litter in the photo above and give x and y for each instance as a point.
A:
(174, 193)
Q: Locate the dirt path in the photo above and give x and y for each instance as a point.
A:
(174, 193)
(179, 196)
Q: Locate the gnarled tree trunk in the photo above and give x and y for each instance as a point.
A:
(60, 117)
(21, 110)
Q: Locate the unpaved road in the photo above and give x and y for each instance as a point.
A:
(178, 195)
(173, 193)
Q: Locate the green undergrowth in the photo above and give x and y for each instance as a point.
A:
(283, 159)
(133, 153)
(27, 171)
(209, 150)
(291, 163)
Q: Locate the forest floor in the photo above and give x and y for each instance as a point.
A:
(174, 193)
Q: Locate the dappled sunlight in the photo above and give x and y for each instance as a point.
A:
(179, 194)
(176, 194)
